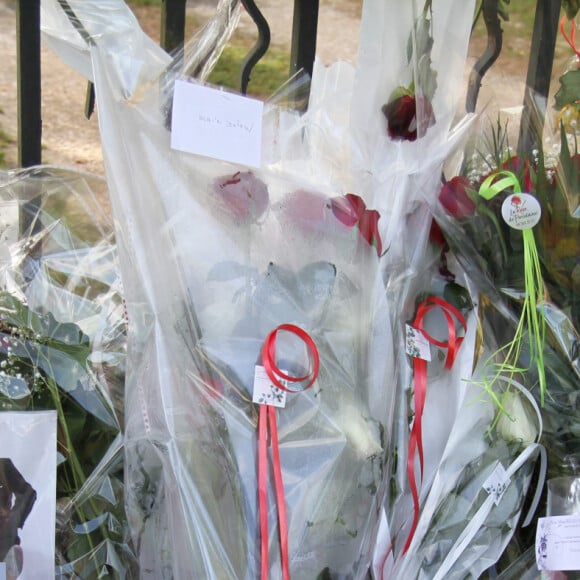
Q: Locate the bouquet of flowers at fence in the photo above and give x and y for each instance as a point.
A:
(246, 290)
(513, 221)
(62, 348)
(464, 475)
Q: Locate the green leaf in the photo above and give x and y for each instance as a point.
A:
(503, 10)
(457, 296)
(419, 46)
(569, 91)
(571, 7)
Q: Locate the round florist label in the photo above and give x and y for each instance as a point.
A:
(521, 211)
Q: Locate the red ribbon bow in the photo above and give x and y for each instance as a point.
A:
(267, 418)
(420, 389)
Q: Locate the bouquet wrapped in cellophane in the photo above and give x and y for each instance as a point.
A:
(220, 262)
(512, 218)
(285, 271)
(465, 475)
(441, 454)
(62, 348)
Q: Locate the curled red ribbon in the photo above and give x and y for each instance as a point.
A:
(570, 39)
(420, 389)
(267, 418)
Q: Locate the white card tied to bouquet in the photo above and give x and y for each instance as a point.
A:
(214, 259)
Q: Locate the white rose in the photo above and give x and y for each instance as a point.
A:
(361, 433)
(517, 424)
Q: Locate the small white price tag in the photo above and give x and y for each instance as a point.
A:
(265, 393)
(497, 483)
(2, 571)
(521, 211)
(416, 344)
(216, 124)
(558, 543)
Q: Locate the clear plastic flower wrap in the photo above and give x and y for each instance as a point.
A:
(216, 258)
(462, 477)
(539, 310)
(62, 348)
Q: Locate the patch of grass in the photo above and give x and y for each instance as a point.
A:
(5, 140)
(144, 2)
(266, 77)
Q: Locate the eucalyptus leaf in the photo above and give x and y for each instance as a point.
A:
(229, 270)
(426, 77)
(420, 41)
(569, 89)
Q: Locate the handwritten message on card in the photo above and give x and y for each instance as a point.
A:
(216, 124)
(558, 543)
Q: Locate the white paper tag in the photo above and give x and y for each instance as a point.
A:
(416, 344)
(558, 543)
(265, 393)
(216, 124)
(9, 222)
(2, 571)
(521, 211)
(28, 475)
(497, 483)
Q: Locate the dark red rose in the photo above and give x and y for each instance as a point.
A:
(242, 195)
(454, 198)
(401, 114)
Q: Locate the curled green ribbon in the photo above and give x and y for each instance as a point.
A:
(532, 321)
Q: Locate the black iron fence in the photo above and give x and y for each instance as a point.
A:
(303, 49)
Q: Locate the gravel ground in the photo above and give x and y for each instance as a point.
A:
(69, 139)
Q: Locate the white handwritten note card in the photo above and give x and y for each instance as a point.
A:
(216, 124)
(558, 543)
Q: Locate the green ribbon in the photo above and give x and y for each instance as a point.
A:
(532, 321)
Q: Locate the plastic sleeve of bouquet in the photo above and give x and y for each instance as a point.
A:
(400, 125)
(72, 27)
(214, 257)
(402, 101)
(444, 397)
(63, 348)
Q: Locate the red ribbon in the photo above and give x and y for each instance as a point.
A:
(420, 390)
(267, 418)
(570, 39)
